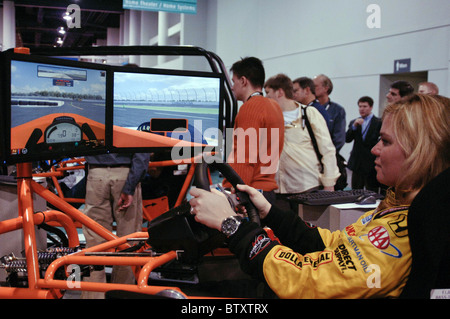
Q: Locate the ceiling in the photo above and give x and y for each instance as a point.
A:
(37, 22)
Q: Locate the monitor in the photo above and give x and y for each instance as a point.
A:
(183, 105)
(52, 108)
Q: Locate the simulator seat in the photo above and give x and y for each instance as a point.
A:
(428, 231)
(152, 208)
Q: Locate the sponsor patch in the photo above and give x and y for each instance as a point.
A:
(343, 258)
(261, 241)
(299, 261)
(379, 237)
(350, 230)
(400, 226)
(366, 219)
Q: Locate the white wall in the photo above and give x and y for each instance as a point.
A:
(305, 38)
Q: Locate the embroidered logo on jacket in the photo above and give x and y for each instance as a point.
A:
(343, 258)
(261, 241)
(366, 219)
(400, 226)
(379, 237)
(299, 261)
(350, 230)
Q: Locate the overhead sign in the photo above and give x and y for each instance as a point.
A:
(402, 66)
(174, 6)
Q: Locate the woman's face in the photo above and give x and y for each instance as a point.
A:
(389, 155)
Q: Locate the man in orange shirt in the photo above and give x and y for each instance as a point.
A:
(258, 134)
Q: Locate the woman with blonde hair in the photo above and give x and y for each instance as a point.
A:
(370, 258)
(421, 127)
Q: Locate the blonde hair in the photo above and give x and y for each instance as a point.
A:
(421, 124)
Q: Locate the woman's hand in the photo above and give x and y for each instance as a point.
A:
(258, 199)
(210, 208)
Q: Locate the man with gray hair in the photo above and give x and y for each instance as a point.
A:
(336, 112)
(305, 93)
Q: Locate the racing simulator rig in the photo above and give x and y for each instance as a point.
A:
(57, 110)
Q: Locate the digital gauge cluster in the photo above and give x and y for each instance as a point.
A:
(64, 134)
(63, 130)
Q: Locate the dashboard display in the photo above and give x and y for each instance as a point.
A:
(66, 131)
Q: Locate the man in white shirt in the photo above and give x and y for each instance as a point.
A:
(299, 168)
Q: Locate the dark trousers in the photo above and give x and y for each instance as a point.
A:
(366, 181)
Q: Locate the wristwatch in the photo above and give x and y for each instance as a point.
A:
(230, 225)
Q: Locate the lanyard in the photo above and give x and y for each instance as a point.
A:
(255, 94)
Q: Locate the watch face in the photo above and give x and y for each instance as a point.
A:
(230, 225)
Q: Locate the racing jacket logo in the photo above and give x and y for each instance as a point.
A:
(261, 241)
(366, 219)
(379, 237)
(343, 258)
(350, 230)
(400, 226)
(296, 259)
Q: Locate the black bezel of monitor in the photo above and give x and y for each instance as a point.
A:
(169, 72)
(60, 151)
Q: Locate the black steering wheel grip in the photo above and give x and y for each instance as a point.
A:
(202, 181)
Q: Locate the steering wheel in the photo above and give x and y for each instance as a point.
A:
(177, 229)
(242, 198)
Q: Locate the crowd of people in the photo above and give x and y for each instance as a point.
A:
(315, 130)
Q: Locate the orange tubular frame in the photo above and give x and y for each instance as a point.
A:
(56, 172)
(69, 217)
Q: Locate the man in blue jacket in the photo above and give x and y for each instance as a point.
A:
(336, 112)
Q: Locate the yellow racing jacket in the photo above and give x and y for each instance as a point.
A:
(370, 258)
